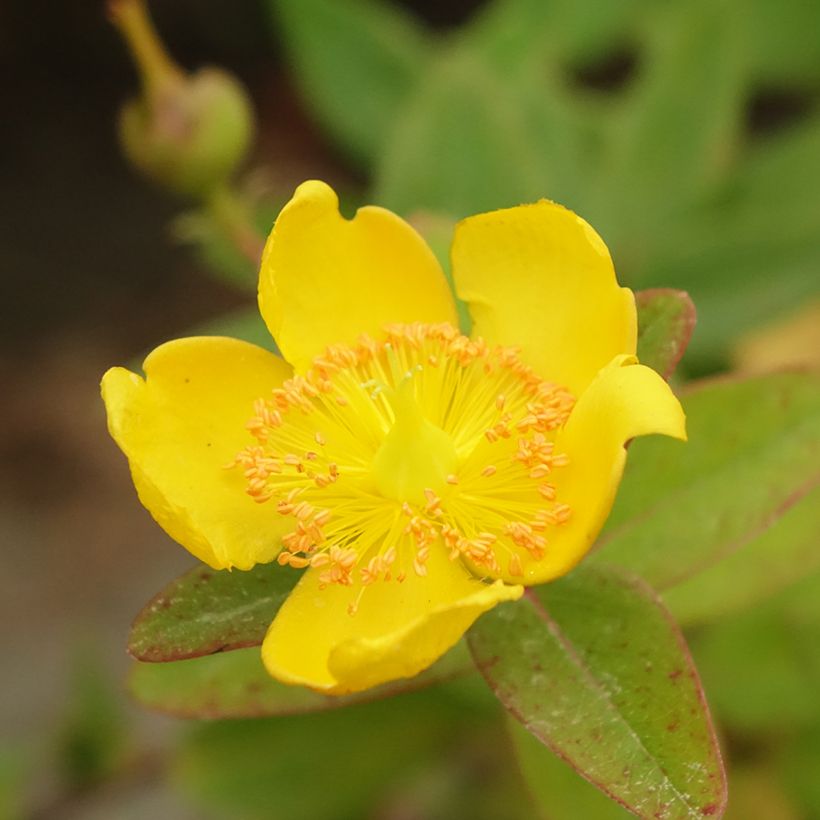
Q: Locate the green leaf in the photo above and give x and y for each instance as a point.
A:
(559, 791)
(216, 253)
(515, 33)
(355, 63)
(211, 233)
(207, 611)
(692, 73)
(799, 767)
(783, 40)
(93, 739)
(752, 251)
(753, 451)
(595, 667)
(779, 557)
(472, 139)
(666, 319)
(236, 685)
(761, 668)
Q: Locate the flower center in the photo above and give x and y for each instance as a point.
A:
(424, 439)
(416, 455)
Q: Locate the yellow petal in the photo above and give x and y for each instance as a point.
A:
(180, 426)
(398, 630)
(326, 279)
(539, 277)
(625, 400)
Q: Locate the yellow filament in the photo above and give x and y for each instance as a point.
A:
(421, 440)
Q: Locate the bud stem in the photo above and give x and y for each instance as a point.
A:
(234, 218)
(157, 70)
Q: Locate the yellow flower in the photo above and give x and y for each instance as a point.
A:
(419, 476)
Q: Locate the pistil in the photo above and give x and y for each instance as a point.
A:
(415, 455)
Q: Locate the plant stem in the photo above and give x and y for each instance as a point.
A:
(233, 216)
(157, 69)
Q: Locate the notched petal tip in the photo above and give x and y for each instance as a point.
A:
(327, 280)
(117, 382)
(180, 426)
(313, 193)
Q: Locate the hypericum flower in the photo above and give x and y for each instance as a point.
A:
(416, 476)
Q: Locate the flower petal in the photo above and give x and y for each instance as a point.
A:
(326, 279)
(180, 426)
(398, 630)
(625, 400)
(540, 278)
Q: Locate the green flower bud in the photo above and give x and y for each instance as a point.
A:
(186, 132)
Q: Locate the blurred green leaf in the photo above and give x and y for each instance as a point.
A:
(207, 611)
(780, 556)
(559, 791)
(799, 768)
(753, 250)
(516, 33)
(236, 684)
(783, 40)
(219, 256)
(581, 36)
(747, 288)
(679, 132)
(753, 451)
(355, 62)
(512, 34)
(422, 754)
(468, 141)
(593, 662)
(93, 737)
(761, 668)
(666, 319)
(224, 233)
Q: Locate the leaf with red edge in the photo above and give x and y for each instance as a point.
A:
(207, 611)
(557, 788)
(594, 666)
(236, 685)
(666, 319)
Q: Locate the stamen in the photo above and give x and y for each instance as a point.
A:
(461, 397)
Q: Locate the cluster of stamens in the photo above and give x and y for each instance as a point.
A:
(318, 436)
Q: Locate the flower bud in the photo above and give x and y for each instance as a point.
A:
(186, 132)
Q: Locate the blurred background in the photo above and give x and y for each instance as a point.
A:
(688, 134)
